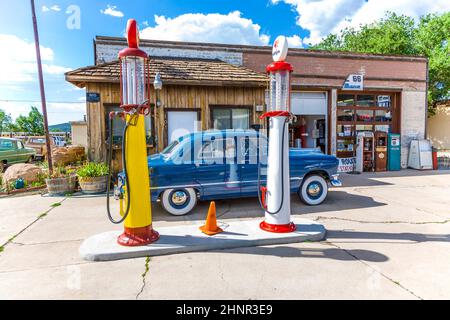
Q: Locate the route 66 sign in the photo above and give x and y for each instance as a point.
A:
(280, 49)
(354, 82)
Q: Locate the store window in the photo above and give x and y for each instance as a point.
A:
(119, 124)
(230, 118)
(365, 100)
(346, 100)
(361, 112)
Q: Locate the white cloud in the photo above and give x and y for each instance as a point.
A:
(295, 41)
(53, 8)
(213, 27)
(18, 63)
(322, 17)
(112, 11)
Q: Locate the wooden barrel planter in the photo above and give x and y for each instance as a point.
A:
(92, 185)
(61, 186)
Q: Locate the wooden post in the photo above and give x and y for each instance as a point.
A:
(41, 86)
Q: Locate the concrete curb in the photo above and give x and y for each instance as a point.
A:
(182, 239)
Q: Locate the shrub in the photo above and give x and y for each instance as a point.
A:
(92, 170)
(60, 172)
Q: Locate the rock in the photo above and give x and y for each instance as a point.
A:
(66, 155)
(27, 171)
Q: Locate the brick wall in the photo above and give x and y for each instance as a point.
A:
(108, 53)
(332, 71)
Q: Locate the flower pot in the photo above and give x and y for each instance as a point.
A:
(61, 186)
(93, 185)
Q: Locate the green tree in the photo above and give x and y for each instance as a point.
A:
(32, 124)
(5, 121)
(399, 34)
(432, 40)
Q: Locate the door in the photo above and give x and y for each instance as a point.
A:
(308, 107)
(180, 123)
(22, 153)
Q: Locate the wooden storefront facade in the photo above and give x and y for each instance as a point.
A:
(201, 98)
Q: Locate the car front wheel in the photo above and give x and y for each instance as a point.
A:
(180, 201)
(313, 190)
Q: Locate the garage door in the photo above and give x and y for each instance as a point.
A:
(309, 103)
(180, 123)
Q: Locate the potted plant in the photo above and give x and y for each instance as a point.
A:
(61, 181)
(93, 177)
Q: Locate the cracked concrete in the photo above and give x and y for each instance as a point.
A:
(388, 238)
(144, 275)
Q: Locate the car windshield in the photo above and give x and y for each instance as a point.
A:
(170, 148)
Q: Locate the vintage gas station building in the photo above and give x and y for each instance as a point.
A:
(222, 86)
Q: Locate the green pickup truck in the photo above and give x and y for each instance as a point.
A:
(13, 151)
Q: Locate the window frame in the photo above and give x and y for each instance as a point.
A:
(231, 107)
(108, 107)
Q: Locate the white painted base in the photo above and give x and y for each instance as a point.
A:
(180, 239)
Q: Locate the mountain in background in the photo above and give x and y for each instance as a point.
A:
(62, 127)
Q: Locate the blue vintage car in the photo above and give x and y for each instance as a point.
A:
(211, 165)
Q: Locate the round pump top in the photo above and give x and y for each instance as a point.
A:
(133, 42)
(280, 49)
(279, 53)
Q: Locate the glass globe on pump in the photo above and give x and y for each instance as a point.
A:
(133, 69)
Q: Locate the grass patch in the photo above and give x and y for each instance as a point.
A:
(42, 215)
(54, 205)
(2, 248)
(147, 261)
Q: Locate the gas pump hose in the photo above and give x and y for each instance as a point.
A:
(124, 161)
(282, 175)
(132, 121)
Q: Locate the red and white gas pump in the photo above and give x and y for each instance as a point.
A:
(276, 196)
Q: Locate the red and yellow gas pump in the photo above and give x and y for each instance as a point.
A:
(137, 216)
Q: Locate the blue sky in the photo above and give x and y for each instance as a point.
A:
(227, 21)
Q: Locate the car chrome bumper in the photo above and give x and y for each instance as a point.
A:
(335, 182)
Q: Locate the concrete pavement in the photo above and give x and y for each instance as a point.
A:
(388, 238)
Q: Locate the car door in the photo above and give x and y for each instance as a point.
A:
(23, 154)
(15, 152)
(253, 155)
(7, 151)
(216, 168)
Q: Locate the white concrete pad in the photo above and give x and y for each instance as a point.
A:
(188, 238)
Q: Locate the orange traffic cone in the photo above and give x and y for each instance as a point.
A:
(211, 228)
